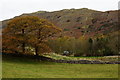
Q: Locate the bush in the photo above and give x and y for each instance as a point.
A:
(78, 54)
(66, 29)
(107, 52)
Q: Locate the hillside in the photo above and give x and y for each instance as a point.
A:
(77, 22)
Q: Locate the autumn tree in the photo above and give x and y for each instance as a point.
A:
(28, 31)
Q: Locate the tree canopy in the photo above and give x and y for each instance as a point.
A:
(28, 32)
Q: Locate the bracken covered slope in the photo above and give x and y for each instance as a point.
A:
(77, 22)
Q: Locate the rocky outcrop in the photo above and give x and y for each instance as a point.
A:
(85, 62)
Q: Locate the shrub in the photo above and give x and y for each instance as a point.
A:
(78, 54)
(66, 29)
(107, 52)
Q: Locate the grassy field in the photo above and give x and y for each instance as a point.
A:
(24, 68)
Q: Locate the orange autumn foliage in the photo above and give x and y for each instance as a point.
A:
(27, 31)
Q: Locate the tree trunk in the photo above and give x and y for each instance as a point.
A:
(23, 47)
(36, 52)
(23, 44)
(39, 34)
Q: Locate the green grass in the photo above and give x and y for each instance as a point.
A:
(25, 68)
